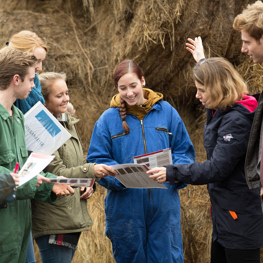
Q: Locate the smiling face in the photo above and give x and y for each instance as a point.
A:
(24, 87)
(40, 54)
(58, 98)
(130, 88)
(252, 47)
(201, 94)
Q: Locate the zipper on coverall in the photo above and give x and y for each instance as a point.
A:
(145, 148)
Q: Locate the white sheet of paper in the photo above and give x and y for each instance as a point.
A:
(35, 163)
(43, 132)
(135, 176)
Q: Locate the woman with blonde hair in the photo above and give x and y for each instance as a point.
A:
(57, 227)
(236, 211)
(27, 41)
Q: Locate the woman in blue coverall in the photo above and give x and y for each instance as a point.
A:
(142, 224)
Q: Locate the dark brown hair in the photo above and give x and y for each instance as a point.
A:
(126, 66)
(14, 62)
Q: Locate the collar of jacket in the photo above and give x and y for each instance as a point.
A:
(5, 115)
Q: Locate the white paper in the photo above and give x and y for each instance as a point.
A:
(135, 176)
(77, 182)
(155, 159)
(43, 132)
(35, 163)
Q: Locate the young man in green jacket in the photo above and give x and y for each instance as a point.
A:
(17, 73)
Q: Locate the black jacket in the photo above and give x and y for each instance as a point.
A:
(225, 139)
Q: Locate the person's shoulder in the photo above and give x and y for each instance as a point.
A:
(166, 106)
(110, 111)
(163, 104)
(18, 112)
(238, 115)
(109, 114)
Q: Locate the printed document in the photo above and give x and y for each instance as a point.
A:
(135, 176)
(75, 182)
(33, 166)
(43, 132)
(155, 159)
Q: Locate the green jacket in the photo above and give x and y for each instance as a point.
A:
(68, 214)
(16, 216)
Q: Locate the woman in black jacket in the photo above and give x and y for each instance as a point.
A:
(236, 211)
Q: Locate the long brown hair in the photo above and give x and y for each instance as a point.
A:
(126, 66)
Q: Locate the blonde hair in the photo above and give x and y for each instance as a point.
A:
(46, 81)
(14, 62)
(221, 81)
(251, 20)
(26, 41)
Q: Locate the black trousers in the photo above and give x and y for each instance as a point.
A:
(219, 254)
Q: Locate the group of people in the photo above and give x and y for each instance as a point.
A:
(142, 224)
(60, 212)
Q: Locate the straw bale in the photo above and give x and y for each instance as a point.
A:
(87, 38)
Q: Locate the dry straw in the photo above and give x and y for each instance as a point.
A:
(87, 38)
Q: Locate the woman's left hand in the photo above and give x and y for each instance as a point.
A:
(158, 174)
(88, 192)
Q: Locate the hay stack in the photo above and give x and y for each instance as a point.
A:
(87, 38)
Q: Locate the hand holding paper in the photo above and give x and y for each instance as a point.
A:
(33, 166)
(15, 178)
(102, 170)
(158, 174)
(41, 179)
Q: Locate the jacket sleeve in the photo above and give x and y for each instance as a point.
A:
(181, 145)
(100, 151)
(225, 156)
(58, 168)
(7, 185)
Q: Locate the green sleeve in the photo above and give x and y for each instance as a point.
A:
(7, 185)
(58, 168)
(44, 192)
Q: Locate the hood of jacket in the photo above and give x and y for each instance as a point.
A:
(248, 102)
(246, 107)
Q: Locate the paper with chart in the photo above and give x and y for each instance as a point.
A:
(134, 176)
(75, 182)
(43, 132)
(155, 159)
(33, 166)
